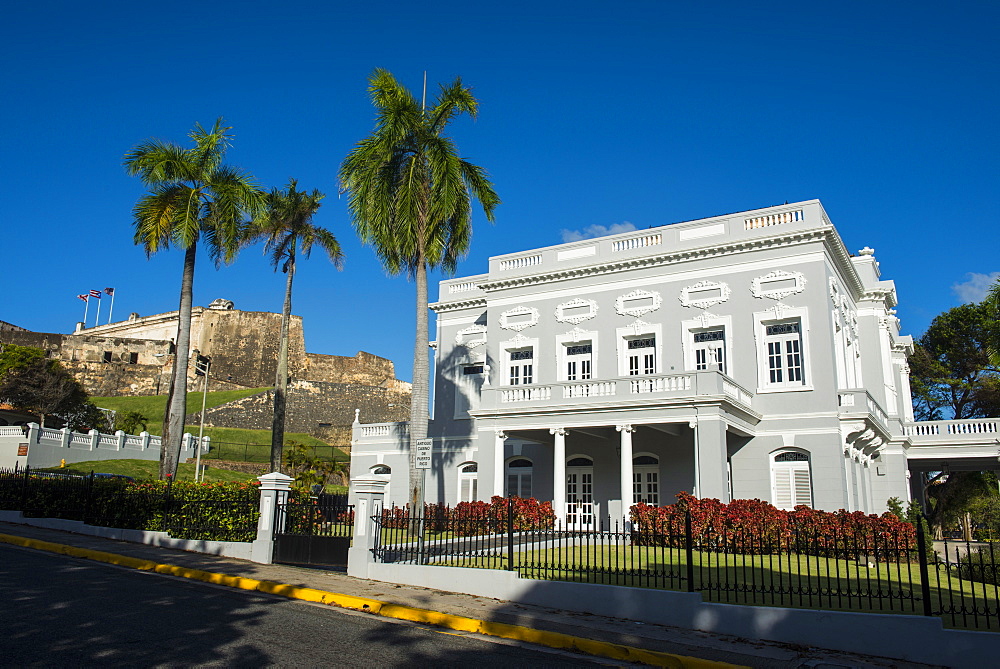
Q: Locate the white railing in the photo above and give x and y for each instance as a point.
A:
(461, 287)
(736, 392)
(660, 384)
(526, 394)
(11, 431)
(518, 263)
(876, 410)
(773, 219)
(109, 440)
(637, 242)
(385, 430)
(971, 426)
(77, 439)
(589, 389)
(134, 440)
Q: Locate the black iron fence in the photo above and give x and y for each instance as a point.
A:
(801, 566)
(314, 530)
(182, 512)
(233, 451)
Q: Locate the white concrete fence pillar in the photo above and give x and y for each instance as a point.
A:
(274, 489)
(559, 472)
(500, 439)
(119, 440)
(369, 499)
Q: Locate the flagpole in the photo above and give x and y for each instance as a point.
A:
(97, 320)
(86, 306)
(112, 307)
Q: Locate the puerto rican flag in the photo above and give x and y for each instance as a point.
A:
(82, 297)
(95, 293)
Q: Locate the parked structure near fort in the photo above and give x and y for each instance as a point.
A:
(740, 356)
(135, 357)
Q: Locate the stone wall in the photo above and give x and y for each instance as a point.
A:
(323, 410)
(10, 326)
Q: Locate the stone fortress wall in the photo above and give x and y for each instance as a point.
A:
(135, 357)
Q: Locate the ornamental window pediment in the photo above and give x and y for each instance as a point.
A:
(471, 337)
(576, 311)
(778, 284)
(705, 294)
(519, 318)
(638, 303)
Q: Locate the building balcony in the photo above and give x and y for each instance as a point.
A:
(858, 402)
(637, 390)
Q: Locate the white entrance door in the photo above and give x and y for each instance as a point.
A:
(580, 511)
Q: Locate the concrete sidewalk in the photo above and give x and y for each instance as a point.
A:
(713, 647)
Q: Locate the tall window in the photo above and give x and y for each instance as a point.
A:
(580, 492)
(791, 480)
(579, 362)
(646, 480)
(521, 366)
(519, 473)
(710, 348)
(468, 480)
(783, 348)
(641, 356)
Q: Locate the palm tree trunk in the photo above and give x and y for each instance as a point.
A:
(420, 395)
(173, 421)
(281, 374)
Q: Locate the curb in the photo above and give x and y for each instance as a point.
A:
(400, 612)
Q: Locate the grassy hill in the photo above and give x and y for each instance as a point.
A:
(228, 443)
(147, 469)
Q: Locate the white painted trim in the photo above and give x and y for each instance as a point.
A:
(637, 329)
(706, 321)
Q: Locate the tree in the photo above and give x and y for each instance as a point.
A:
(409, 195)
(951, 372)
(13, 356)
(44, 387)
(309, 470)
(192, 197)
(286, 225)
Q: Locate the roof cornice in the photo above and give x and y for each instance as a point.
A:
(439, 307)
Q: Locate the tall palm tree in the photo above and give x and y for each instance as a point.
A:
(192, 197)
(410, 198)
(287, 228)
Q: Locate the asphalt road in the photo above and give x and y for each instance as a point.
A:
(62, 611)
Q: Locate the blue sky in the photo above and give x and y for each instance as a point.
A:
(592, 114)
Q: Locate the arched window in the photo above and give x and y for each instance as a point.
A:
(646, 480)
(791, 479)
(468, 482)
(519, 472)
(381, 470)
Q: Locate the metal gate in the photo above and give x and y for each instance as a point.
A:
(314, 531)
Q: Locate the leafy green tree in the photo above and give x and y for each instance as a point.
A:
(950, 371)
(131, 422)
(287, 228)
(307, 469)
(193, 196)
(13, 356)
(410, 198)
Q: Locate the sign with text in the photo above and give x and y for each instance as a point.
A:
(423, 447)
(22, 450)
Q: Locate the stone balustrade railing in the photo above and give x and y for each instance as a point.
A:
(975, 428)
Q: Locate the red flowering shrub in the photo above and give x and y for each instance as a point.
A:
(475, 518)
(752, 526)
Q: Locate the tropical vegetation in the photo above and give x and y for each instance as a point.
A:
(410, 195)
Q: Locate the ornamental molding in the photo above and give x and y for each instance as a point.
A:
(640, 326)
(530, 312)
(786, 238)
(704, 303)
(760, 290)
(518, 341)
(577, 334)
(707, 319)
(575, 304)
(471, 337)
(639, 294)
(440, 307)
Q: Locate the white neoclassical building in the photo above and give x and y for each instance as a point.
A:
(741, 356)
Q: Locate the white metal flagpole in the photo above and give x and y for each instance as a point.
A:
(86, 306)
(97, 319)
(111, 292)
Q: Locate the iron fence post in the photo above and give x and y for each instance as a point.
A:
(87, 500)
(24, 488)
(925, 585)
(510, 534)
(689, 550)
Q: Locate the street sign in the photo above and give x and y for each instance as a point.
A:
(22, 449)
(423, 447)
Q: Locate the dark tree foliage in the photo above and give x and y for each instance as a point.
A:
(951, 373)
(45, 387)
(13, 356)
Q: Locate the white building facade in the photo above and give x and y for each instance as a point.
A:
(742, 356)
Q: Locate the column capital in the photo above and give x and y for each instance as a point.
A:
(558, 431)
(627, 427)
(500, 434)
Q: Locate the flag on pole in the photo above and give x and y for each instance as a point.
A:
(95, 293)
(111, 292)
(86, 305)
(82, 297)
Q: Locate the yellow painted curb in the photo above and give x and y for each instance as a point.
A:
(459, 623)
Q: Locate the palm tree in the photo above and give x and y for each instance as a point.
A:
(410, 198)
(286, 225)
(192, 196)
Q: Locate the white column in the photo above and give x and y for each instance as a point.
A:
(498, 458)
(559, 472)
(626, 466)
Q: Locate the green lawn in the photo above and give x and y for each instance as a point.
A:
(148, 469)
(229, 443)
(797, 581)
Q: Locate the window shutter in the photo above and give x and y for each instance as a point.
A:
(802, 485)
(782, 487)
